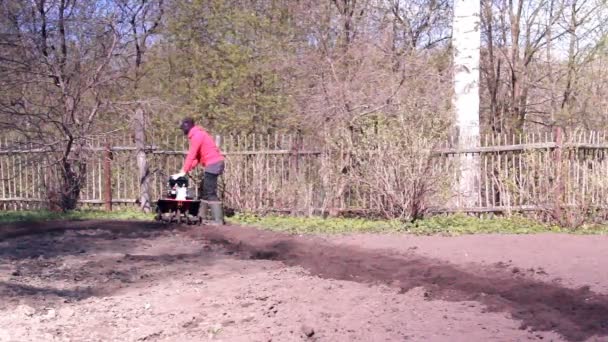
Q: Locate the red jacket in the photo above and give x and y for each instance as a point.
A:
(202, 150)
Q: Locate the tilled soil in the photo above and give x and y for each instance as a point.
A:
(135, 281)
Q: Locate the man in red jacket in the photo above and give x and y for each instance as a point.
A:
(205, 152)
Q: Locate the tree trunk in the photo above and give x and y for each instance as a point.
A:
(493, 70)
(63, 188)
(518, 86)
(142, 161)
(72, 184)
(571, 77)
(552, 82)
(466, 42)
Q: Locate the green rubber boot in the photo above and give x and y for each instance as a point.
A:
(217, 213)
(204, 211)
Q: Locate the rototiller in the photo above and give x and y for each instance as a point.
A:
(179, 205)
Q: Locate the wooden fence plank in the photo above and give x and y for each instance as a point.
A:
(19, 161)
(266, 172)
(3, 176)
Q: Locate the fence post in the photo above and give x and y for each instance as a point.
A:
(107, 165)
(295, 153)
(218, 143)
(559, 188)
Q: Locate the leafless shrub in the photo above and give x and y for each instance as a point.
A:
(390, 160)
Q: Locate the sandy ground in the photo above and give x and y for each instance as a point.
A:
(128, 281)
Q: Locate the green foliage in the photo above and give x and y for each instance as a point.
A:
(303, 225)
(439, 225)
(44, 215)
(218, 64)
(463, 224)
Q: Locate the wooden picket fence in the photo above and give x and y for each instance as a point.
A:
(261, 169)
(534, 171)
(525, 172)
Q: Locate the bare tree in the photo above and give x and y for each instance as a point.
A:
(523, 85)
(57, 65)
(584, 20)
(142, 20)
(420, 24)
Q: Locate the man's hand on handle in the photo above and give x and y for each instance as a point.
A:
(178, 175)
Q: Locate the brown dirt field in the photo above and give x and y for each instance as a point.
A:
(135, 281)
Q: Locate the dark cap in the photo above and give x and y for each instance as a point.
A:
(186, 125)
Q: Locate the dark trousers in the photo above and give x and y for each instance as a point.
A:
(209, 187)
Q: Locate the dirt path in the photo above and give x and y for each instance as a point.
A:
(119, 281)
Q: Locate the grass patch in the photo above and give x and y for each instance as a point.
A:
(463, 224)
(439, 225)
(304, 225)
(76, 215)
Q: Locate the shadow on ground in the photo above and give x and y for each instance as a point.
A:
(77, 260)
(576, 314)
(24, 290)
(32, 239)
